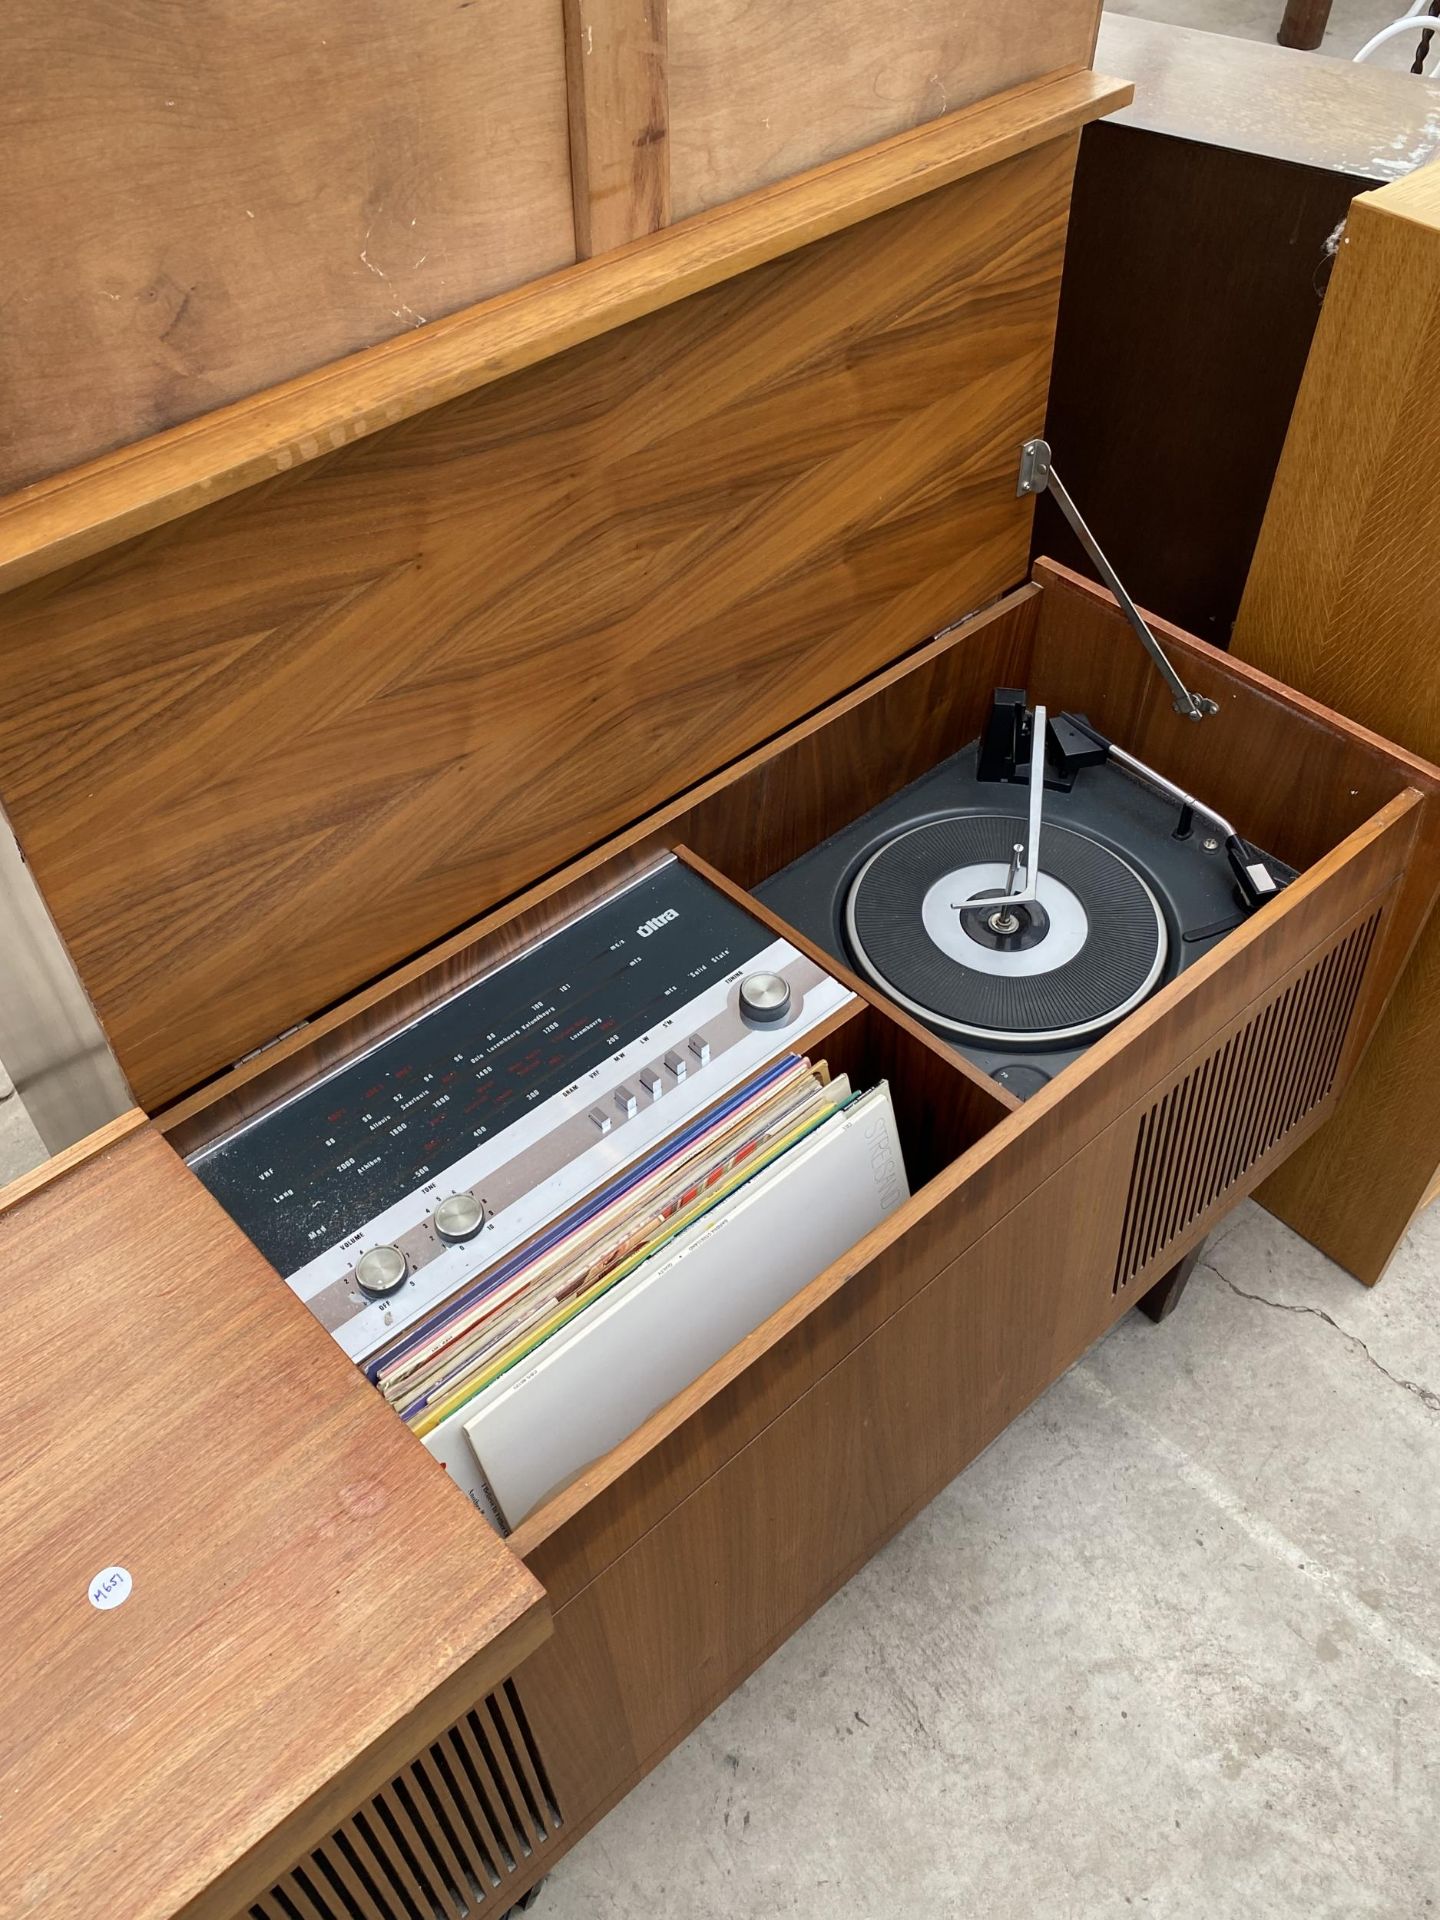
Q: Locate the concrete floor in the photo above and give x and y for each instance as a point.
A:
(20, 1146)
(1171, 1646)
(1351, 24)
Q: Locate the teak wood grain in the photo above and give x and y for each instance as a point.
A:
(885, 1314)
(212, 198)
(768, 808)
(583, 1529)
(836, 1459)
(310, 1599)
(1340, 600)
(108, 500)
(263, 755)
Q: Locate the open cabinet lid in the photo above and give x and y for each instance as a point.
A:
(295, 690)
(238, 1596)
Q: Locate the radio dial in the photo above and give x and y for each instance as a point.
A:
(459, 1218)
(381, 1272)
(764, 999)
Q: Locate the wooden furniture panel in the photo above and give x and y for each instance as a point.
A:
(467, 1827)
(212, 197)
(770, 807)
(1244, 760)
(1339, 602)
(1284, 981)
(310, 1600)
(617, 65)
(1202, 233)
(787, 1519)
(762, 88)
(635, 1663)
(291, 725)
(880, 1330)
(775, 803)
(93, 507)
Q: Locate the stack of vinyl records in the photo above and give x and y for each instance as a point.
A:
(553, 1356)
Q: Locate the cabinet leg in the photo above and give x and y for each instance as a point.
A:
(1162, 1299)
(524, 1903)
(1304, 24)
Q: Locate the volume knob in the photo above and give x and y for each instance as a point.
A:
(764, 998)
(381, 1272)
(459, 1218)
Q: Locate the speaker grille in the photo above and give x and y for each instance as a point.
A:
(448, 1837)
(1232, 1109)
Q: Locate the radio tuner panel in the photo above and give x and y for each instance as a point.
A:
(384, 1187)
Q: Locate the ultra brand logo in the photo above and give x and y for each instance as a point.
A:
(647, 927)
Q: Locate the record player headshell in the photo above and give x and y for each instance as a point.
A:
(1070, 744)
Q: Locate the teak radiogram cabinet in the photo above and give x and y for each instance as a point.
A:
(317, 707)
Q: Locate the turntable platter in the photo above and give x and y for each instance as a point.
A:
(917, 926)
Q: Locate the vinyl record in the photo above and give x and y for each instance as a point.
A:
(917, 924)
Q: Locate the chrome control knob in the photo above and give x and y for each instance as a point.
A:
(459, 1218)
(381, 1272)
(764, 999)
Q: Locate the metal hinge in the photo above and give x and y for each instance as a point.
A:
(1038, 475)
(266, 1045)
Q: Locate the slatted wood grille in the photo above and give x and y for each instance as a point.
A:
(448, 1837)
(1220, 1121)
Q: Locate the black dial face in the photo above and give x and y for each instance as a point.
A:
(303, 1176)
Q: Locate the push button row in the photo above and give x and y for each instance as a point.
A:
(652, 1083)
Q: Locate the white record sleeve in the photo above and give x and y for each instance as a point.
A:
(534, 1429)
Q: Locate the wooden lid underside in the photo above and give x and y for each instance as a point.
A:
(260, 754)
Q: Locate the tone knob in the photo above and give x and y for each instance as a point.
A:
(381, 1272)
(764, 998)
(459, 1218)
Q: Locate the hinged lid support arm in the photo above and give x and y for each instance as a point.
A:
(1038, 475)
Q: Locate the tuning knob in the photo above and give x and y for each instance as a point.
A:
(381, 1272)
(764, 998)
(459, 1218)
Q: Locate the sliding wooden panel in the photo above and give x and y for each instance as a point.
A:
(763, 88)
(265, 753)
(210, 196)
(1340, 601)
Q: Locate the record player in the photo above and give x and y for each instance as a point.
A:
(1020, 917)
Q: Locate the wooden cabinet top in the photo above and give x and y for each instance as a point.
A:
(308, 1599)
